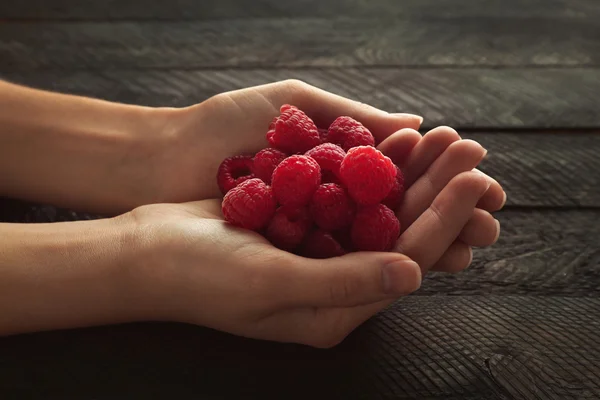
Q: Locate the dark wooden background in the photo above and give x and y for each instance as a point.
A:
(520, 76)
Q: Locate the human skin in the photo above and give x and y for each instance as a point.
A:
(165, 253)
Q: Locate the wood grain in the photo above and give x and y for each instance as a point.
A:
(473, 98)
(540, 252)
(270, 43)
(217, 9)
(556, 170)
(537, 170)
(460, 347)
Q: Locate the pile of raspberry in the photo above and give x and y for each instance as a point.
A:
(318, 193)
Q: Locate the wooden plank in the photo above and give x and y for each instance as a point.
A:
(461, 347)
(544, 170)
(213, 9)
(536, 170)
(301, 42)
(540, 252)
(464, 98)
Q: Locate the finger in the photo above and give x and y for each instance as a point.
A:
(324, 107)
(495, 197)
(481, 230)
(460, 156)
(399, 145)
(433, 144)
(458, 257)
(356, 278)
(427, 239)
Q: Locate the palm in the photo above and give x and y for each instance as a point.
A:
(236, 123)
(189, 224)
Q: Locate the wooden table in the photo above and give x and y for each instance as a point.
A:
(520, 76)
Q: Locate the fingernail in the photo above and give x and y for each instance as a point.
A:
(470, 257)
(503, 200)
(497, 231)
(405, 115)
(401, 277)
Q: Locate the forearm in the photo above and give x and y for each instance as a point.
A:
(77, 152)
(66, 275)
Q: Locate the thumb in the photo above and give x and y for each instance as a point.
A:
(350, 280)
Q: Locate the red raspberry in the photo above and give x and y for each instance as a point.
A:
(288, 227)
(330, 157)
(349, 133)
(265, 162)
(249, 205)
(375, 228)
(331, 207)
(320, 244)
(394, 198)
(233, 171)
(295, 180)
(368, 175)
(293, 131)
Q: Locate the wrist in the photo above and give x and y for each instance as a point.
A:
(66, 275)
(82, 153)
(151, 286)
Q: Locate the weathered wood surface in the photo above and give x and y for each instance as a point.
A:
(474, 98)
(502, 70)
(537, 170)
(544, 170)
(463, 347)
(271, 43)
(226, 9)
(540, 253)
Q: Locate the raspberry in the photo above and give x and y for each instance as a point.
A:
(233, 171)
(320, 244)
(349, 133)
(249, 205)
(330, 157)
(368, 175)
(288, 227)
(293, 131)
(394, 198)
(375, 228)
(295, 180)
(331, 207)
(265, 162)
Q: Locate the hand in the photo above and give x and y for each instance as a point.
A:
(198, 269)
(235, 123)
(429, 163)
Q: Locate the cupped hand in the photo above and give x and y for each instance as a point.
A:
(198, 269)
(235, 123)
